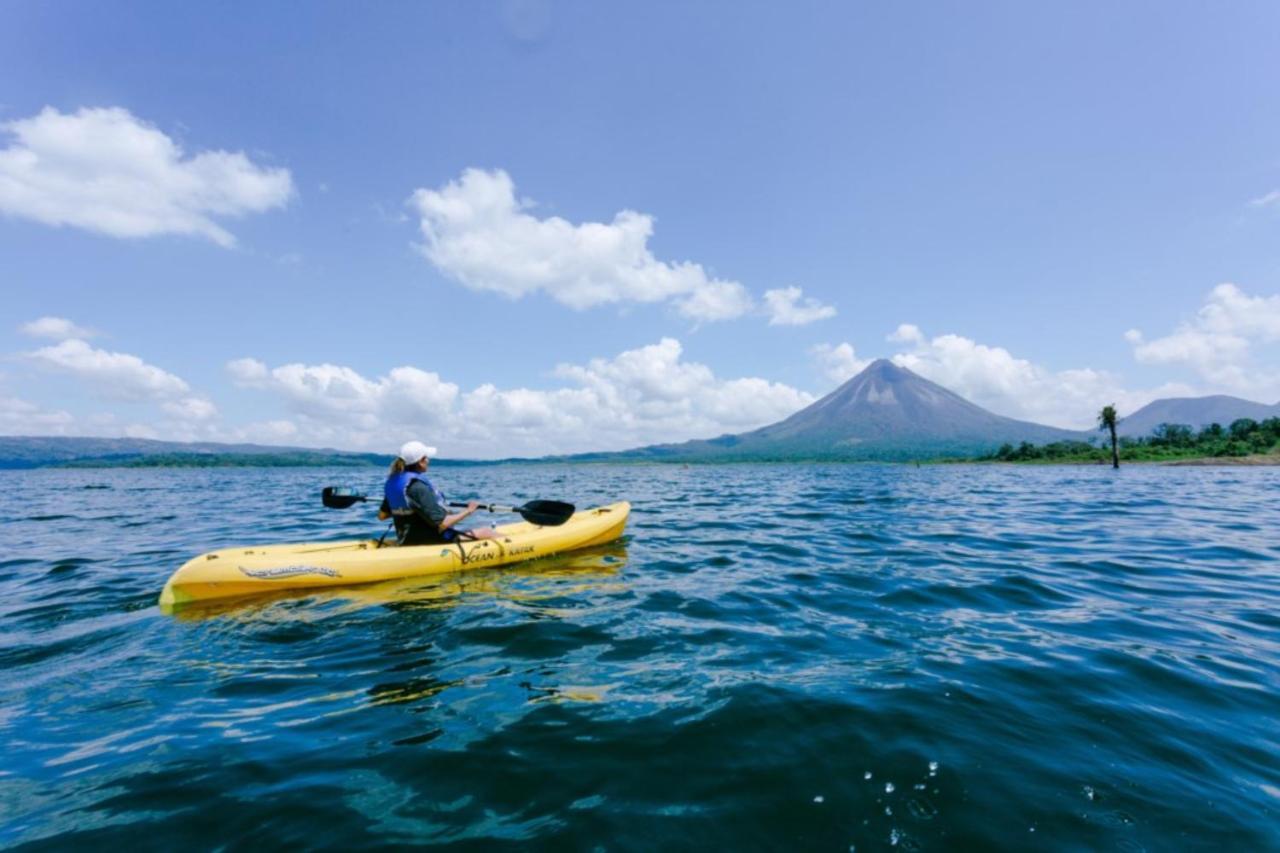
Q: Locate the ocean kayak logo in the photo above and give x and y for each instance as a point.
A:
(289, 572)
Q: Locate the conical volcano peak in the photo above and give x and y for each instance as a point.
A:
(883, 365)
(890, 404)
(880, 384)
(877, 382)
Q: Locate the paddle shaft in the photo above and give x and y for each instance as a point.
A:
(489, 507)
(541, 512)
(459, 504)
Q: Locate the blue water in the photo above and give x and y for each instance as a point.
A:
(774, 657)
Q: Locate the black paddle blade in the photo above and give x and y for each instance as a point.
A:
(546, 513)
(335, 497)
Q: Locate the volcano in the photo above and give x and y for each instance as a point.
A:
(886, 412)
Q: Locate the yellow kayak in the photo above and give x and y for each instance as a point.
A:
(233, 572)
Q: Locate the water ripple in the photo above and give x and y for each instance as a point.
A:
(778, 656)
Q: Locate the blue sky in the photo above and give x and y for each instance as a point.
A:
(523, 227)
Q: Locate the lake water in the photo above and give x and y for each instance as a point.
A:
(817, 657)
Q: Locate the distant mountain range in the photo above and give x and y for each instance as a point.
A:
(50, 451)
(886, 412)
(1195, 412)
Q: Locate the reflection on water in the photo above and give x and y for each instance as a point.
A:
(776, 656)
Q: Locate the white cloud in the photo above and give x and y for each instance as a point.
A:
(340, 395)
(58, 328)
(1220, 341)
(642, 396)
(191, 409)
(150, 431)
(248, 372)
(839, 363)
(715, 300)
(195, 422)
(650, 391)
(20, 417)
(906, 334)
(995, 379)
(104, 170)
(1272, 197)
(271, 432)
(785, 308)
(111, 374)
(476, 231)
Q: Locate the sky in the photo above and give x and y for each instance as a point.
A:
(525, 227)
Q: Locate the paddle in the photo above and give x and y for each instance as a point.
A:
(336, 497)
(541, 513)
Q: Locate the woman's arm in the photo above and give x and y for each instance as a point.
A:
(451, 520)
(424, 503)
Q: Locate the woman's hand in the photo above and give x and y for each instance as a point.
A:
(451, 520)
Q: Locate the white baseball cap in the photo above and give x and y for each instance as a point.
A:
(412, 452)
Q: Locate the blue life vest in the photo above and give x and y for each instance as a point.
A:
(396, 491)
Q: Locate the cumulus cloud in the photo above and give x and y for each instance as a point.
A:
(477, 232)
(103, 170)
(840, 362)
(58, 328)
(785, 308)
(641, 396)
(1220, 341)
(995, 379)
(111, 374)
(652, 391)
(342, 396)
(906, 334)
(20, 417)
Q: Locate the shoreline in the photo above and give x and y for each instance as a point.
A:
(1254, 461)
(1257, 460)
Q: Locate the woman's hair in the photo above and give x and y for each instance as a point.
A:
(396, 467)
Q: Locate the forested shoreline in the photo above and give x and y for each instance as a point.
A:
(1167, 443)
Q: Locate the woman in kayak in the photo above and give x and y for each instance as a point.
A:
(418, 507)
